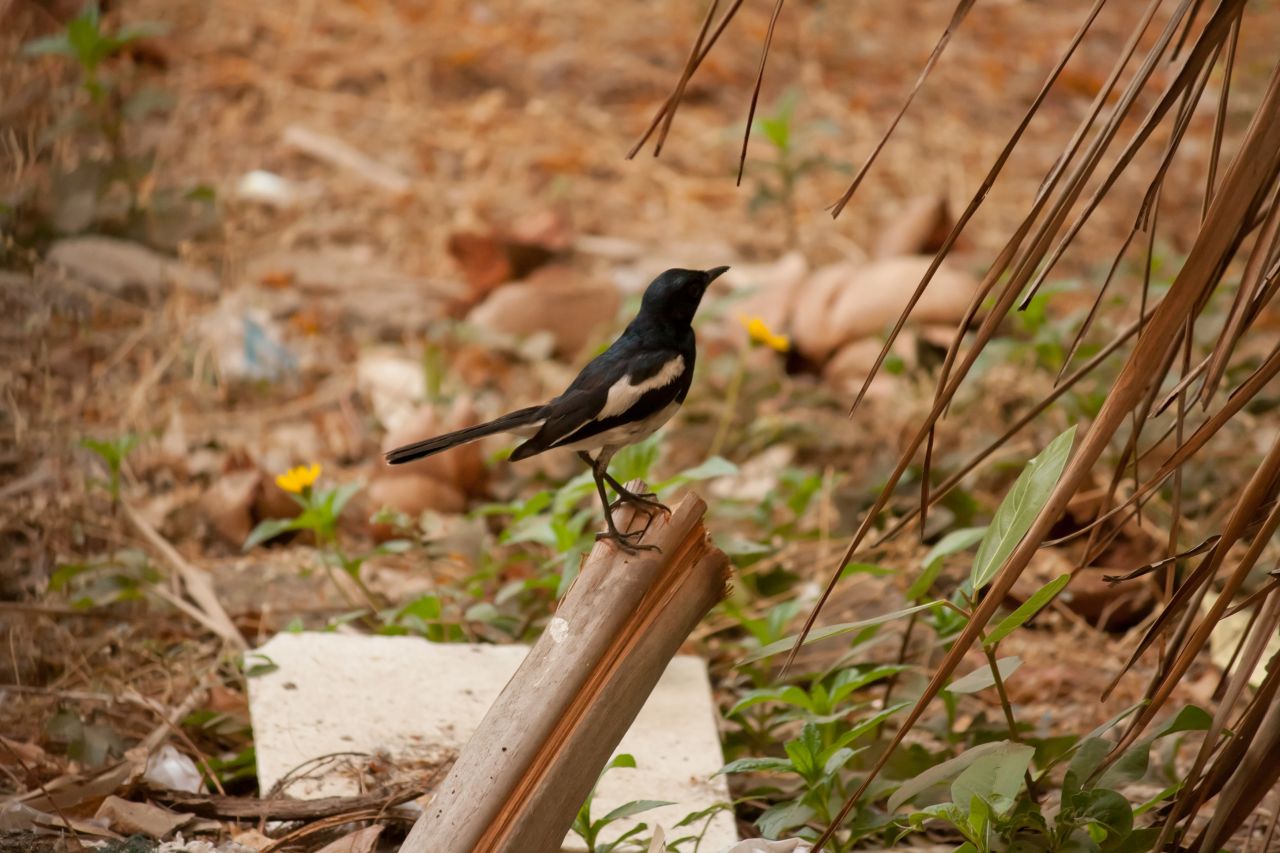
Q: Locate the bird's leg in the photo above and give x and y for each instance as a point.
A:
(646, 502)
(623, 540)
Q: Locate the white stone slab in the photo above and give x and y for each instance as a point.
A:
(414, 702)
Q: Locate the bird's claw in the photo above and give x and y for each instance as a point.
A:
(625, 542)
(646, 503)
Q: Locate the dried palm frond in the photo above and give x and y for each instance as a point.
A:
(1166, 77)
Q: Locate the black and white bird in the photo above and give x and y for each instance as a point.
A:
(622, 396)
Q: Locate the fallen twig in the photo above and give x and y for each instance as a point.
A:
(284, 808)
(197, 583)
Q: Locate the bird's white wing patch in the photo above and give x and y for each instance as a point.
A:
(624, 394)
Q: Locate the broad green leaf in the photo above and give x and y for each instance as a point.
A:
(953, 543)
(837, 760)
(1014, 516)
(425, 608)
(622, 759)
(1109, 810)
(1190, 719)
(782, 817)
(979, 814)
(1129, 767)
(941, 772)
(982, 677)
(482, 612)
(270, 528)
(1027, 609)
(1132, 765)
(633, 808)
(996, 777)
(1088, 757)
(785, 644)
(756, 765)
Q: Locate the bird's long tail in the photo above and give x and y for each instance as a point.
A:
(427, 447)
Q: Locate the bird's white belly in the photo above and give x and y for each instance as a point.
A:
(625, 434)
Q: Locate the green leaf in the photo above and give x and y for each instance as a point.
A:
(849, 680)
(1189, 719)
(426, 608)
(924, 582)
(754, 697)
(622, 759)
(56, 45)
(756, 765)
(803, 758)
(482, 612)
(1014, 516)
(716, 466)
(866, 569)
(1109, 810)
(778, 819)
(1129, 767)
(940, 773)
(1027, 609)
(837, 760)
(996, 777)
(635, 461)
(269, 528)
(953, 543)
(854, 732)
(339, 497)
(615, 843)
(1088, 757)
(262, 666)
(736, 546)
(394, 546)
(134, 32)
(633, 808)
(785, 644)
(982, 677)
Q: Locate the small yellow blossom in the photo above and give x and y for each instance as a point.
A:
(760, 333)
(296, 479)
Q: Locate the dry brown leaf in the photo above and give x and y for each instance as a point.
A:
(842, 303)
(921, 228)
(557, 301)
(360, 841)
(129, 818)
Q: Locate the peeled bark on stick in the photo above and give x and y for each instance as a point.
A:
(534, 758)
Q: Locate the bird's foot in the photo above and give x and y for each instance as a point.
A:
(627, 542)
(646, 502)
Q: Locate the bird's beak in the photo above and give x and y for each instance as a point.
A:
(715, 273)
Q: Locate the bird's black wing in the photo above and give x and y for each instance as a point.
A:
(623, 384)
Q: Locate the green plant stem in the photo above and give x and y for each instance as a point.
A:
(730, 406)
(1008, 711)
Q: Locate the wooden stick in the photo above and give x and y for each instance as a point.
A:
(534, 758)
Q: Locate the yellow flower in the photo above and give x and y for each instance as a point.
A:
(760, 333)
(296, 479)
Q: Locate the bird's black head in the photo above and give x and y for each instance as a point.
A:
(673, 297)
